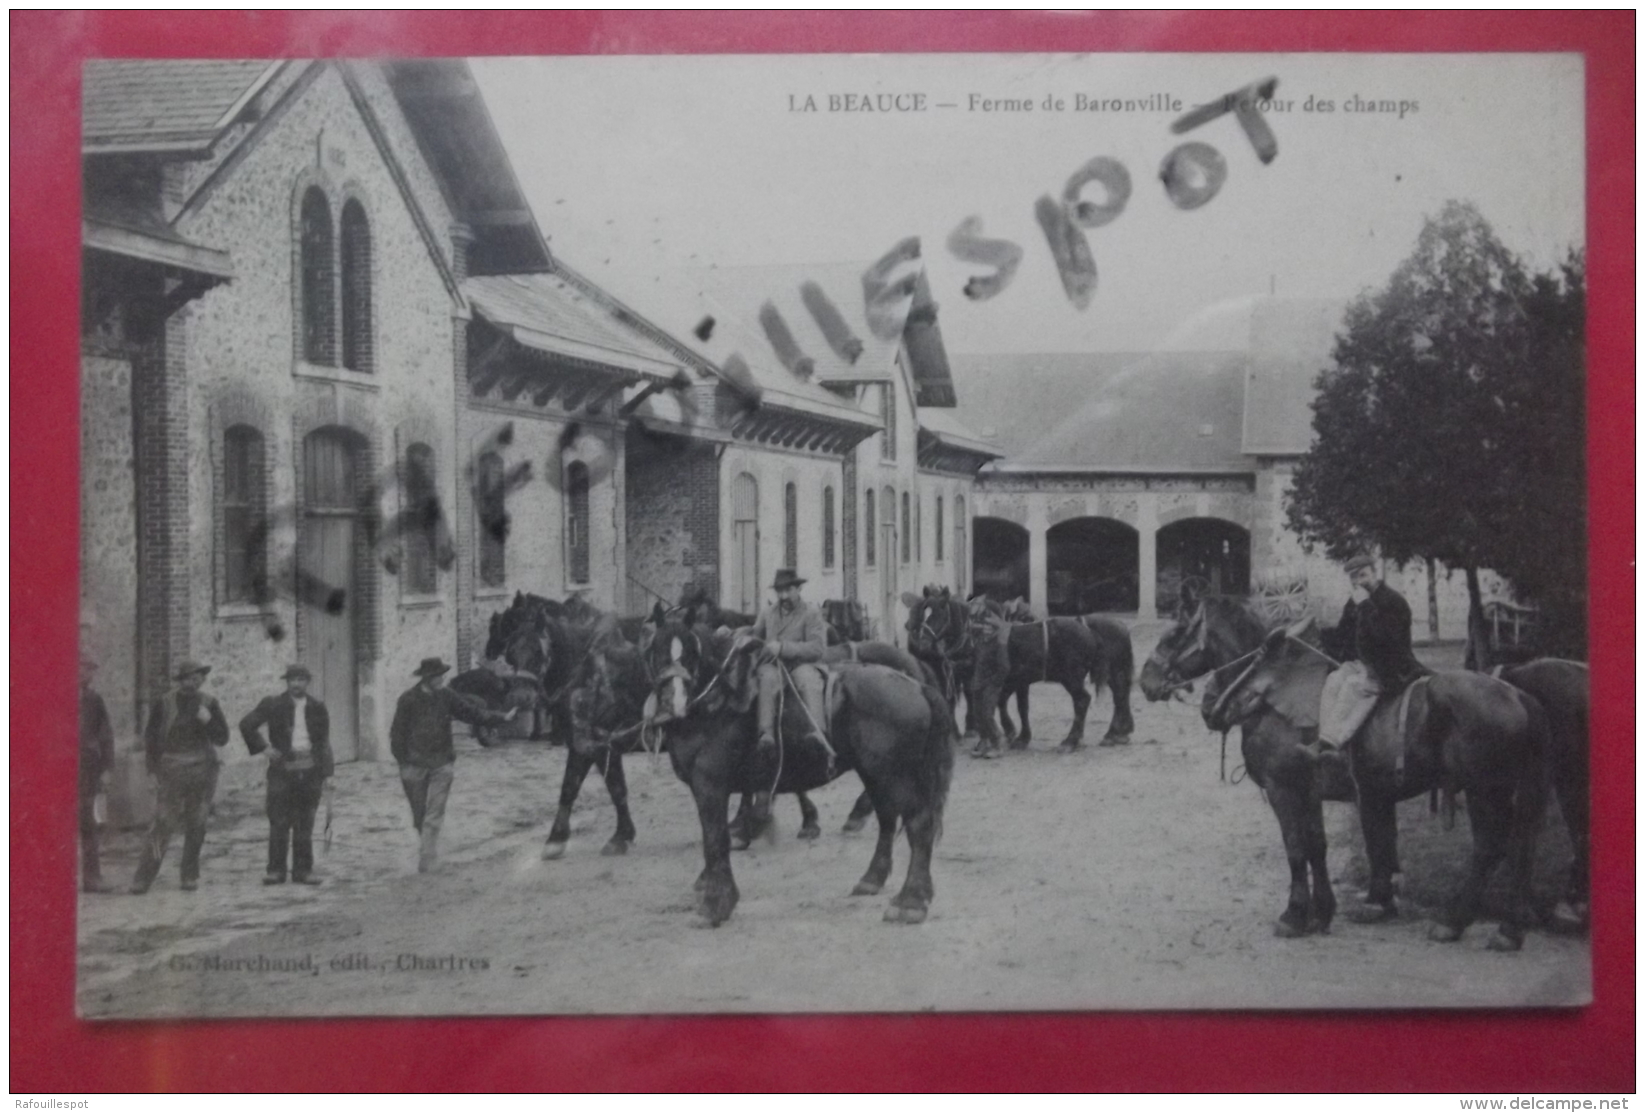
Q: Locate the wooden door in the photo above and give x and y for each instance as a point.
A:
(742, 588)
(326, 561)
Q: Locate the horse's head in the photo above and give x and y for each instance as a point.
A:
(682, 662)
(938, 625)
(1283, 674)
(1018, 610)
(1181, 656)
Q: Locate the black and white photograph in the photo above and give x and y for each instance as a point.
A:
(832, 534)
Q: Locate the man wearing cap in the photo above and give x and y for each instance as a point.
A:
(299, 761)
(96, 760)
(795, 635)
(1373, 641)
(185, 729)
(420, 739)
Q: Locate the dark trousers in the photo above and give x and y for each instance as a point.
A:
(186, 787)
(293, 800)
(90, 868)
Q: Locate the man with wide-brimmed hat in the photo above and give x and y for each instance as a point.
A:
(420, 739)
(96, 760)
(299, 761)
(185, 729)
(1373, 641)
(795, 637)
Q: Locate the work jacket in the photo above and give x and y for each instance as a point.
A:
(279, 714)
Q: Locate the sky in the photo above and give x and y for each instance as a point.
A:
(638, 164)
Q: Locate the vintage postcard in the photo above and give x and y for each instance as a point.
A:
(562, 535)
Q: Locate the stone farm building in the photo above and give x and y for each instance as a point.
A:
(316, 303)
(1162, 467)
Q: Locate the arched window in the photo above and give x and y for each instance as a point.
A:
(791, 526)
(492, 521)
(317, 266)
(937, 532)
(869, 530)
(905, 530)
(888, 417)
(245, 541)
(577, 521)
(356, 259)
(828, 527)
(421, 521)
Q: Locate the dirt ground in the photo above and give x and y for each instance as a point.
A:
(1110, 878)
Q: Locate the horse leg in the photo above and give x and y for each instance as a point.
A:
(717, 897)
(617, 785)
(1022, 713)
(1489, 818)
(1008, 727)
(1289, 805)
(1571, 786)
(879, 866)
(1119, 686)
(1322, 909)
(577, 766)
(920, 823)
(1377, 822)
(742, 824)
(1082, 704)
(861, 809)
(810, 828)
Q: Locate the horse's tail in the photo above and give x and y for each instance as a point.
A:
(936, 762)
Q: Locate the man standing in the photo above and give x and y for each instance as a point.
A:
(795, 636)
(1373, 640)
(299, 761)
(185, 728)
(420, 739)
(96, 760)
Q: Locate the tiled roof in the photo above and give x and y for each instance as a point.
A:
(1108, 411)
(136, 104)
(546, 312)
(1291, 343)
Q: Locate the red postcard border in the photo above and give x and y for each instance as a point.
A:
(1588, 1049)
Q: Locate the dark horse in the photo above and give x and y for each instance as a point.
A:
(1010, 657)
(939, 636)
(895, 732)
(1452, 730)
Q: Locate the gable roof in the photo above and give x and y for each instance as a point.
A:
(545, 312)
(148, 106)
(1291, 343)
(1108, 411)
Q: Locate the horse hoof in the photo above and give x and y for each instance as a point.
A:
(738, 842)
(1503, 942)
(1068, 747)
(852, 826)
(1373, 914)
(614, 848)
(866, 888)
(912, 914)
(810, 831)
(1569, 917)
(1285, 929)
(1444, 933)
(1116, 740)
(553, 851)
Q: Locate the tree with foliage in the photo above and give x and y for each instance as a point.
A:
(1450, 426)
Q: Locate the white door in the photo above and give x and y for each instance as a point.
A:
(743, 569)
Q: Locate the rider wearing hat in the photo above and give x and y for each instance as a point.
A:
(185, 728)
(795, 635)
(1373, 641)
(299, 761)
(420, 739)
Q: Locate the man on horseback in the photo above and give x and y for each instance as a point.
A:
(1373, 642)
(795, 637)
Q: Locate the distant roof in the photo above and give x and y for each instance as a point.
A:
(1291, 343)
(545, 312)
(1108, 411)
(946, 426)
(142, 105)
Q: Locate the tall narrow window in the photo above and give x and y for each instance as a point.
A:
(919, 527)
(871, 525)
(962, 554)
(421, 523)
(937, 533)
(791, 526)
(244, 543)
(317, 267)
(905, 529)
(356, 258)
(493, 520)
(577, 521)
(888, 415)
(828, 527)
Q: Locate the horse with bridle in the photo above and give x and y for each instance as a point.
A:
(894, 731)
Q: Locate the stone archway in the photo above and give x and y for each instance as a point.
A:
(999, 558)
(1209, 553)
(1091, 564)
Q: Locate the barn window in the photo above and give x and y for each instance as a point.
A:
(577, 521)
(868, 532)
(888, 416)
(828, 527)
(421, 521)
(937, 533)
(905, 529)
(791, 526)
(492, 520)
(316, 271)
(356, 259)
(244, 540)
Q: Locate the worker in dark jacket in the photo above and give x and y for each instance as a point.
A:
(299, 761)
(96, 761)
(1373, 641)
(420, 739)
(185, 730)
